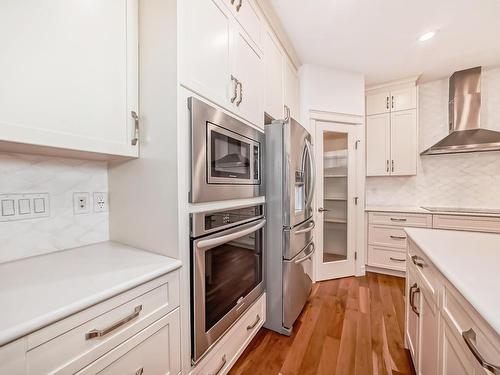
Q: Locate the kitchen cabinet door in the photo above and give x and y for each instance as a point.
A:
(245, 12)
(69, 74)
(248, 70)
(454, 359)
(404, 143)
(412, 318)
(291, 90)
(428, 335)
(403, 99)
(204, 46)
(378, 103)
(378, 145)
(273, 95)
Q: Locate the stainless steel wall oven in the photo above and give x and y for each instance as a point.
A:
(226, 270)
(226, 156)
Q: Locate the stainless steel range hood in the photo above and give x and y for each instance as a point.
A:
(464, 107)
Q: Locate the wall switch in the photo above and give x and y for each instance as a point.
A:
(81, 203)
(101, 202)
(24, 206)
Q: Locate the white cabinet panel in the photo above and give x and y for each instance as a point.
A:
(453, 358)
(404, 143)
(378, 141)
(248, 69)
(70, 79)
(402, 99)
(412, 323)
(428, 336)
(273, 57)
(292, 89)
(245, 11)
(378, 103)
(205, 39)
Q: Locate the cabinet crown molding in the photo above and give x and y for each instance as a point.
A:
(400, 82)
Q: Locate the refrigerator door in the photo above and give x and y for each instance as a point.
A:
(296, 284)
(296, 238)
(298, 174)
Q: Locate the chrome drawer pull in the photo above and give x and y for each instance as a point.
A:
(251, 326)
(239, 5)
(397, 219)
(308, 256)
(416, 262)
(469, 337)
(414, 289)
(135, 139)
(102, 332)
(140, 371)
(397, 259)
(223, 363)
(308, 229)
(398, 237)
(235, 92)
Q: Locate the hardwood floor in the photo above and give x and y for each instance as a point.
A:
(353, 325)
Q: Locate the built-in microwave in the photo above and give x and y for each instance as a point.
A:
(226, 156)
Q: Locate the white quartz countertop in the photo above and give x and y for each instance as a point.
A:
(420, 210)
(470, 261)
(38, 291)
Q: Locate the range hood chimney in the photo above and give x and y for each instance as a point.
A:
(464, 107)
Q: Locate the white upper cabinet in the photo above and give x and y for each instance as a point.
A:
(378, 103)
(403, 99)
(69, 74)
(274, 100)
(396, 99)
(378, 145)
(205, 40)
(246, 14)
(403, 143)
(248, 71)
(292, 89)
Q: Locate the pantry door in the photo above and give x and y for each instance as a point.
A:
(335, 200)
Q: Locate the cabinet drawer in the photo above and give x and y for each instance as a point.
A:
(245, 11)
(225, 353)
(470, 223)
(90, 337)
(400, 219)
(381, 235)
(424, 269)
(154, 350)
(461, 317)
(391, 258)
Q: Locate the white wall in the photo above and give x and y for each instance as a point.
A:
(331, 90)
(461, 180)
(60, 178)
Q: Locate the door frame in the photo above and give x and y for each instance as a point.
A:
(358, 123)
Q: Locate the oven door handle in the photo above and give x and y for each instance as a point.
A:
(212, 242)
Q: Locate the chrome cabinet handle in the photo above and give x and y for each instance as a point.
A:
(387, 102)
(241, 93)
(397, 259)
(287, 113)
(221, 366)
(311, 226)
(414, 289)
(469, 337)
(235, 94)
(398, 219)
(392, 101)
(321, 209)
(212, 242)
(135, 138)
(308, 256)
(102, 332)
(392, 166)
(140, 371)
(387, 166)
(415, 260)
(239, 5)
(252, 326)
(232, 2)
(398, 237)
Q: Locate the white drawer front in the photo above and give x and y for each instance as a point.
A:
(225, 353)
(390, 258)
(381, 235)
(154, 350)
(400, 219)
(470, 223)
(425, 269)
(76, 348)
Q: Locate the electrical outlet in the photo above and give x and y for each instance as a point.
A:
(100, 202)
(81, 203)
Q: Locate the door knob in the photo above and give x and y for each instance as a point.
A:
(321, 209)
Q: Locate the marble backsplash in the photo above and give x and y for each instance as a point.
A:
(60, 177)
(461, 180)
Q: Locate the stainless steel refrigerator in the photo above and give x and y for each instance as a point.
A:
(290, 180)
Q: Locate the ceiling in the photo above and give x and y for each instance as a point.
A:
(379, 38)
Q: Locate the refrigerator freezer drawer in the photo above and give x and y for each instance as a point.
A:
(296, 239)
(296, 284)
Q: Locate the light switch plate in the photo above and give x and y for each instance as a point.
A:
(22, 206)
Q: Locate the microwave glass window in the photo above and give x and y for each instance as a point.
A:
(230, 157)
(232, 270)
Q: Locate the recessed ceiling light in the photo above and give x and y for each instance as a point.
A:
(427, 36)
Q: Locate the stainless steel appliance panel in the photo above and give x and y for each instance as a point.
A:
(226, 156)
(296, 238)
(296, 285)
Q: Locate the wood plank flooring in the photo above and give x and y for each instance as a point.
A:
(353, 325)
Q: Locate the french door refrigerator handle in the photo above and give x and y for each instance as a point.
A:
(308, 256)
(212, 242)
(312, 182)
